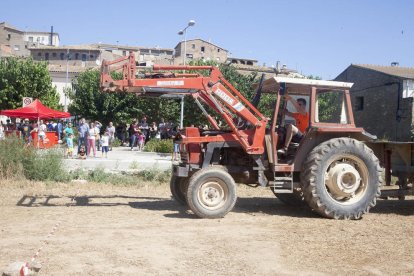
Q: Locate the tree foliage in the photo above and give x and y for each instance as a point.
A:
(89, 102)
(22, 77)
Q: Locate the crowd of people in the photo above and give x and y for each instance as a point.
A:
(91, 137)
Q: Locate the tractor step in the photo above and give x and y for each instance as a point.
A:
(282, 184)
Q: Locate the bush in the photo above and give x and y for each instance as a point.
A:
(161, 146)
(99, 175)
(116, 143)
(17, 159)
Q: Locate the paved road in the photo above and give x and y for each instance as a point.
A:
(122, 159)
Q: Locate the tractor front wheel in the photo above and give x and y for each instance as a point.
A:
(211, 193)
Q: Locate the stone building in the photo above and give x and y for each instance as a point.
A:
(382, 99)
(12, 41)
(145, 56)
(199, 49)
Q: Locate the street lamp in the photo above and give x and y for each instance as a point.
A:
(184, 32)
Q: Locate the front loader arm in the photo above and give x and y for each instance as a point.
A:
(212, 90)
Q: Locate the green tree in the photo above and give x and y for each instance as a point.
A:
(22, 77)
(89, 102)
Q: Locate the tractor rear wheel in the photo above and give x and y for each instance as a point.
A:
(211, 193)
(178, 187)
(341, 179)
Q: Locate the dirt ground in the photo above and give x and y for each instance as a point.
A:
(115, 230)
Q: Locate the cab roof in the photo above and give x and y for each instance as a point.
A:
(301, 86)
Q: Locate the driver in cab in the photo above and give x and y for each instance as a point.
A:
(295, 133)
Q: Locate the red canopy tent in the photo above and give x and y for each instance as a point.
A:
(35, 110)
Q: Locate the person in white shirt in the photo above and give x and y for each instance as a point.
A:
(93, 132)
(111, 133)
(105, 144)
(41, 133)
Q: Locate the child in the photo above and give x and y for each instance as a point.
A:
(69, 145)
(141, 141)
(82, 152)
(105, 144)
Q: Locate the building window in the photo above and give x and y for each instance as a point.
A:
(359, 103)
(193, 46)
(91, 56)
(62, 56)
(54, 55)
(77, 56)
(249, 63)
(83, 57)
(218, 50)
(124, 53)
(8, 36)
(47, 56)
(39, 54)
(202, 49)
(31, 38)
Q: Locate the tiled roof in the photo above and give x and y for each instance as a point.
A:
(402, 72)
(205, 41)
(126, 47)
(7, 25)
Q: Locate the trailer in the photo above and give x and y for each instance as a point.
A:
(397, 159)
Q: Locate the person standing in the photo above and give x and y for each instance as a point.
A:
(153, 130)
(144, 128)
(69, 145)
(26, 131)
(105, 144)
(111, 133)
(83, 131)
(92, 134)
(59, 130)
(133, 132)
(1, 130)
(41, 133)
(141, 141)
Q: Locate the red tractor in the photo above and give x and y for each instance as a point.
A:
(330, 169)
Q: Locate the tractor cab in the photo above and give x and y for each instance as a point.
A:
(328, 109)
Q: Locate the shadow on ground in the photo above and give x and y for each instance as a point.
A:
(251, 205)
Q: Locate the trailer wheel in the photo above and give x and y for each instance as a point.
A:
(293, 199)
(178, 187)
(211, 193)
(341, 179)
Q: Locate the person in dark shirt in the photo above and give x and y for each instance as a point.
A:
(26, 131)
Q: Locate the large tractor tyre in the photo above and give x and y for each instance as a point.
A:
(341, 179)
(178, 187)
(293, 199)
(211, 193)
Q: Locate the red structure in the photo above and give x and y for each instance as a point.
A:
(37, 111)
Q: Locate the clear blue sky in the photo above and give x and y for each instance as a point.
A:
(317, 37)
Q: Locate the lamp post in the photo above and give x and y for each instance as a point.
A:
(67, 80)
(184, 32)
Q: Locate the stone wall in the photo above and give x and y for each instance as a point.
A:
(377, 104)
